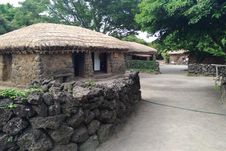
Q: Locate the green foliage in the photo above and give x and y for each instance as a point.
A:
(6, 17)
(141, 65)
(217, 86)
(30, 12)
(9, 106)
(115, 17)
(15, 93)
(133, 38)
(165, 56)
(185, 24)
(89, 83)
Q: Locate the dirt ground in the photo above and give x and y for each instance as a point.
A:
(180, 113)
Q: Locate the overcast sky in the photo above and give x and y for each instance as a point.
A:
(13, 2)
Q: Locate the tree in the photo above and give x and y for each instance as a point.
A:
(133, 38)
(115, 17)
(30, 12)
(195, 25)
(6, 16)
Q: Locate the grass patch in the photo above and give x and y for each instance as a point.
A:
(89, 83)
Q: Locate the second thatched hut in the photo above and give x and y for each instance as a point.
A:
(140, 52)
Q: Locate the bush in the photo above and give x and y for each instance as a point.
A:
(141, 65)
(14, 93)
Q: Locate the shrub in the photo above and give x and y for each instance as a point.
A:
(14, 93)
(141, 65)
(89, 83)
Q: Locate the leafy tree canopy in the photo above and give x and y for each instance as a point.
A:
(133, 38)
(195, 25)
(30, 12)
(6, 17)
(115, 17)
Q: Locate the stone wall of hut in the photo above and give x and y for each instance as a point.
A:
(75, 116)
(117, 63)
(56, 65)
(25, 68)
(1, 67)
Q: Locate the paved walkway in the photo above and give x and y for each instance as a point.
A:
(180, 113)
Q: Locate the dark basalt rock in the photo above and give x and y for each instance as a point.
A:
(41, 109)
(34, 99)
(48, 99)
(109, 105)
(5, 115)
(55, 120)
(104, 132)
(34, 140)
(89, 116)
(15, 126)
(76, 120)
(24, 111)
(51, 122)
(69, 147)
(62, 135)
(5, 102)
(107, 116)
(70, 106)
(80, 135)
(93, 127)
(55, 109)
(6, 142)
(90, 145)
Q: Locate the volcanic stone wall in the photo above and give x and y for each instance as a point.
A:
(75, 116)
(56, 65)
(205, 69)
(1, 68)
(118, 63)
(25, 68)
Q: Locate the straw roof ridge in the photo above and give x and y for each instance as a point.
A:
(44, 36)
(140, 48)
(176, 52)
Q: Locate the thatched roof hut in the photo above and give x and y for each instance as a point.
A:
(140, 52)
(58, 51)
(137, 48)
(178, 56)
(47, 37)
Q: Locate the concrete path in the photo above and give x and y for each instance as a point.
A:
(180, 113)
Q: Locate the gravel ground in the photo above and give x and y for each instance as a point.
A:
(179, 113)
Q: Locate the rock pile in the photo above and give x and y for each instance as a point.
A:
(70, 116)
(205, 69)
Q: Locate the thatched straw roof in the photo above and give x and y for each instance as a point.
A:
(177, 52)
(51, 38)
(139, 48)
